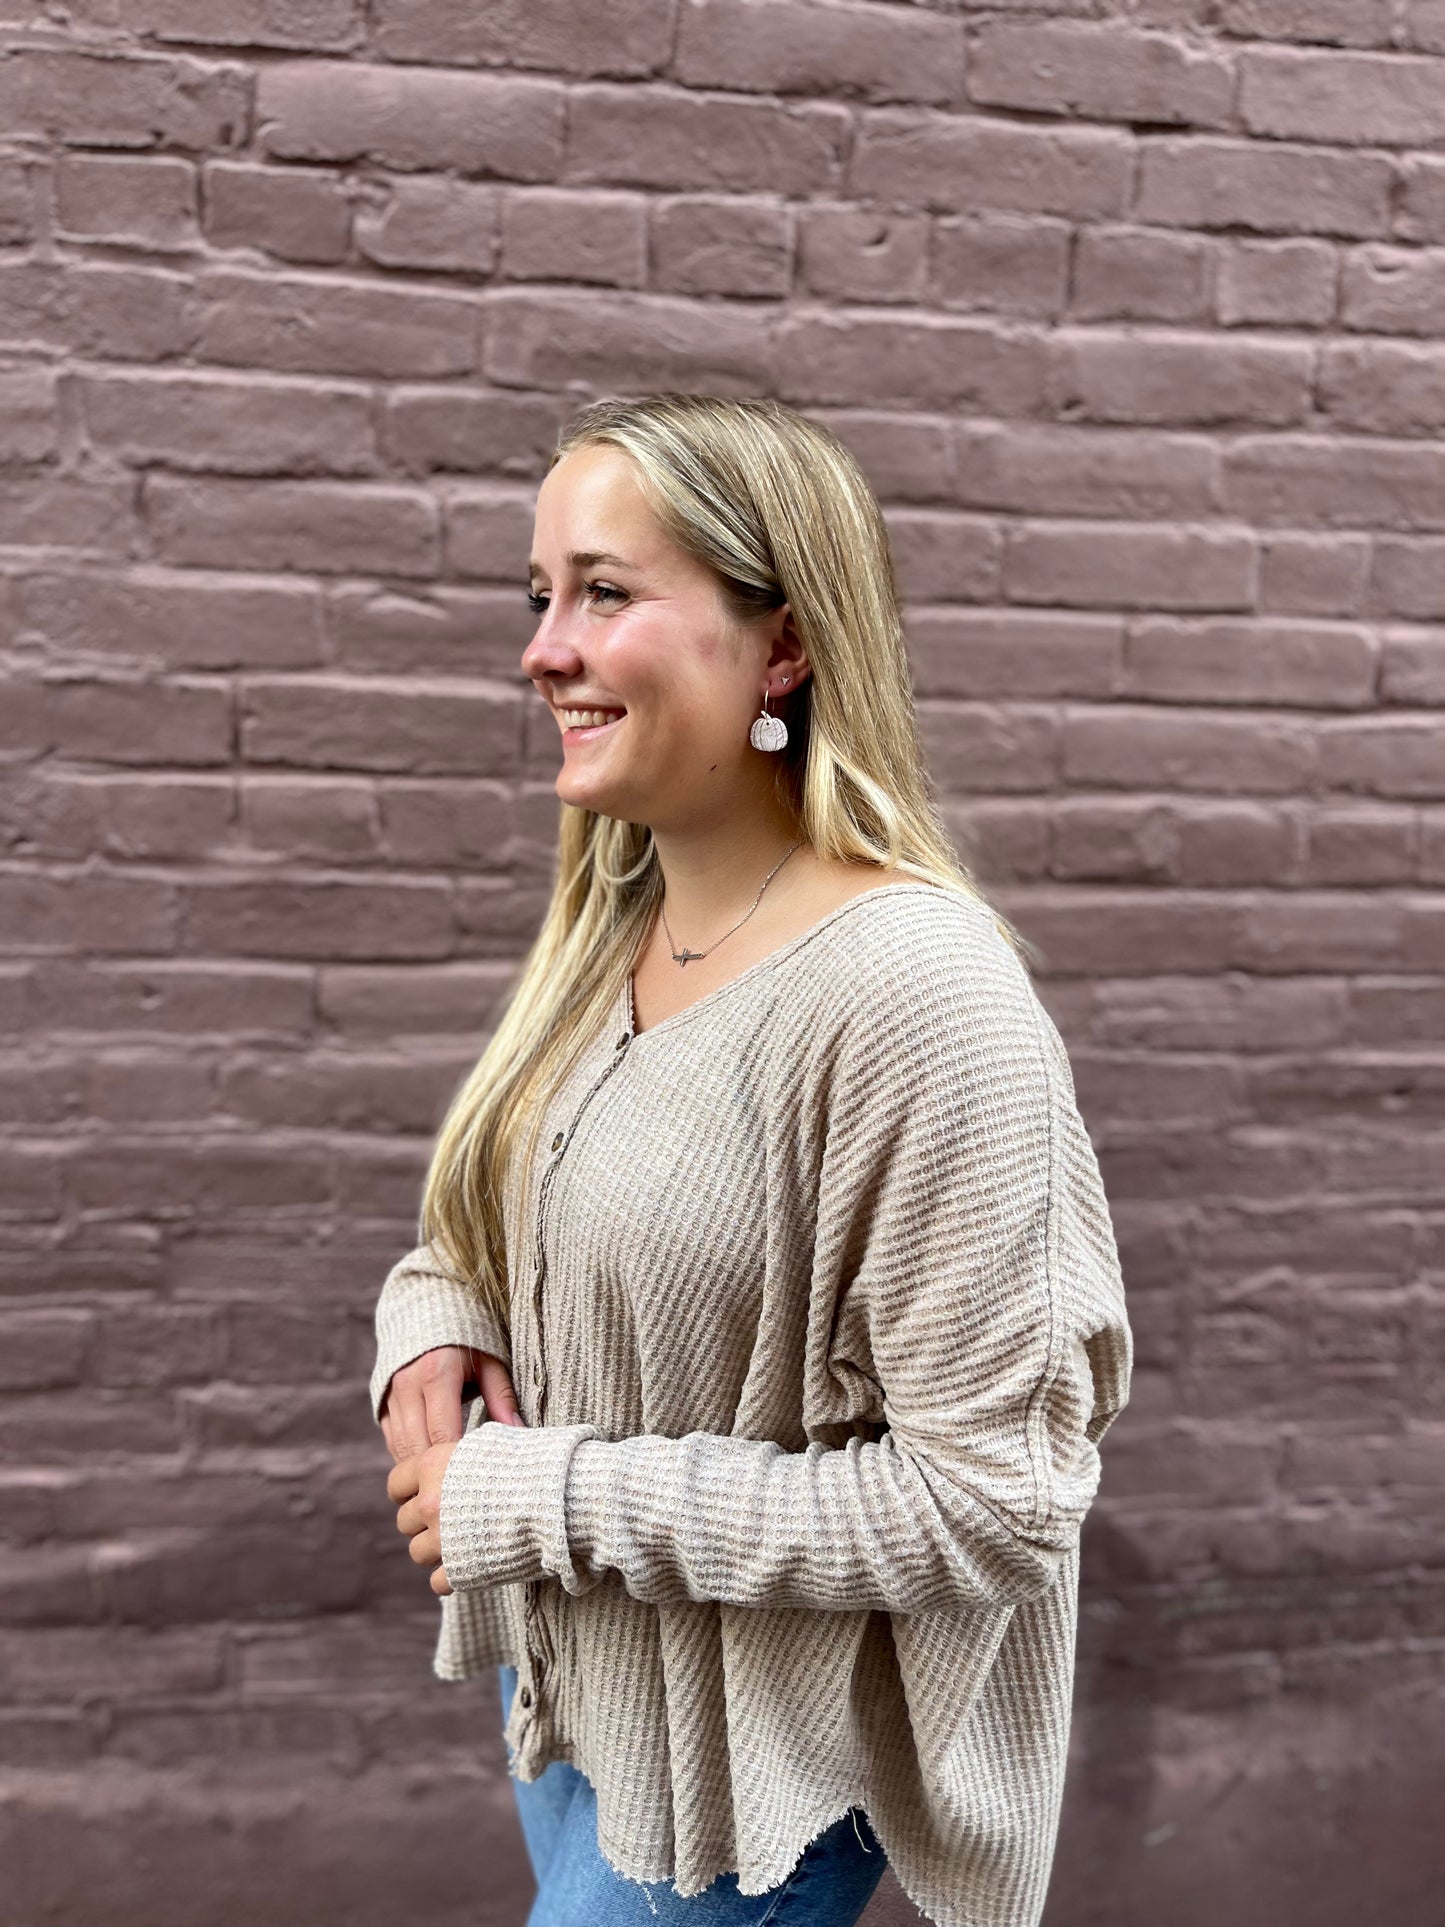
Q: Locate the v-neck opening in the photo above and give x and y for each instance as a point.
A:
(625, 998)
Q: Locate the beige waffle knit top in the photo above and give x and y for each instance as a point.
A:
(816, 1324)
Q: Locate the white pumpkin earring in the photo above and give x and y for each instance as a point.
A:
(769, 732)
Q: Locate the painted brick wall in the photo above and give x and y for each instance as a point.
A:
(1133, 313)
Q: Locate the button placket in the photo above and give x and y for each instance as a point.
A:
(538, 1638)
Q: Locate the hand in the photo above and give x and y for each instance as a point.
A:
(415, 1485)
(423, 1402)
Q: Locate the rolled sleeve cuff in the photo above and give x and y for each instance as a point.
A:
(503, 1513)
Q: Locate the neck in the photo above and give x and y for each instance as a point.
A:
(712, 872)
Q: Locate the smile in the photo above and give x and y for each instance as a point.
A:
(581, 725)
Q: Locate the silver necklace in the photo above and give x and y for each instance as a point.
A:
(685, 956)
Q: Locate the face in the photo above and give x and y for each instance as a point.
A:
(631, 624)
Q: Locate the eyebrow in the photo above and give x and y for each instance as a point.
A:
(585, 559)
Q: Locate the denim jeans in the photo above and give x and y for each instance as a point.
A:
(830, 1886)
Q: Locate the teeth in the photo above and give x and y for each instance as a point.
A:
(587, 718)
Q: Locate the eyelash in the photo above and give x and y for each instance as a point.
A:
(537, 603)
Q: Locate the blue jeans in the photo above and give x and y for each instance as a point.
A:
(829, 1887)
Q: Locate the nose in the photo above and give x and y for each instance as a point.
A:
(548, 653)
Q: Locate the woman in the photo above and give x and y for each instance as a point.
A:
(771, 1234)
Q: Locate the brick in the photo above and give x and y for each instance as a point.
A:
(725, 144)
(551, 34)
(410, 118)
(295, 217)
(701, 245)
(161, 619)
(1349, 845)
(1314, 666)
(1042, 469)
(554, 234)
(1383, 756)
(1308, 574)
(62, 1429)
(1267, 187)
(927, 361)
(88, 912)
(990, 264)
(384, 724)
(1412, 666)
(540, 340)
(29, 410)
(453, 825)
(353, 1092)
(321, 26)
(777, 48)
(946, 557)
(157, 1345)
(196, 1174)
(906, 460)
(426, 429)
(320, 527)
(322, 920)
(1276, 284)
(112, 313)
(1337, 23)
(1124, 567)
(86, 1663)
(1320, 930)
(1195, 846)
(1421, 216)
(269, 1343)
(1347, 98)
(447, 226)
(128, 99)
(234, 424)
(194, 1576)
(1098, 375)
(331, 326)
(137, 203)
(450, 999)
(17, 201)
(224, 1417)
(959, 164)
(77, 995)
(1111, 73)
(1141, 274)
(314, 821)
(1393, 291)
(1013, 653)
(989, 748)
(1331, 481)
(443, 629)
(43, 1349)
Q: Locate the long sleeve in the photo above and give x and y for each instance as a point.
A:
(421, 1306)
(964, 1252)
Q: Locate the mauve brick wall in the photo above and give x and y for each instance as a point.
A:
(1133, 314)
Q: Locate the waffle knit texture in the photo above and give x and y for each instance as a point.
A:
(816, 1322)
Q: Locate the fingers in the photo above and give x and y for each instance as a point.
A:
(425, 1401)
(498, 1394)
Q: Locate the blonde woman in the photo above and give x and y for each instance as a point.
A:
(769, 1232)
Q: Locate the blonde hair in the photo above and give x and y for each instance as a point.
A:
(780, 511)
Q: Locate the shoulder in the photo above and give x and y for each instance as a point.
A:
(919, 980)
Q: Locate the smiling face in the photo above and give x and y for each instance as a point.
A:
(631, 624)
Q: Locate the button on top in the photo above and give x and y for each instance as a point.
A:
(622, 1040)
(557, 1141)
(525, 1696)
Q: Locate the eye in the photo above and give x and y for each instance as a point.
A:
(537, 603)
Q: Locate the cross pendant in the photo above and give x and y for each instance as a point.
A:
(686, 953)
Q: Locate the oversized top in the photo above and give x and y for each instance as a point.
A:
(816, 1323)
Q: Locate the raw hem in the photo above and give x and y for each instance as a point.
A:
(766, 1878)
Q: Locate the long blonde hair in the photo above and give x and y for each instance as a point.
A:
(779, 510)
